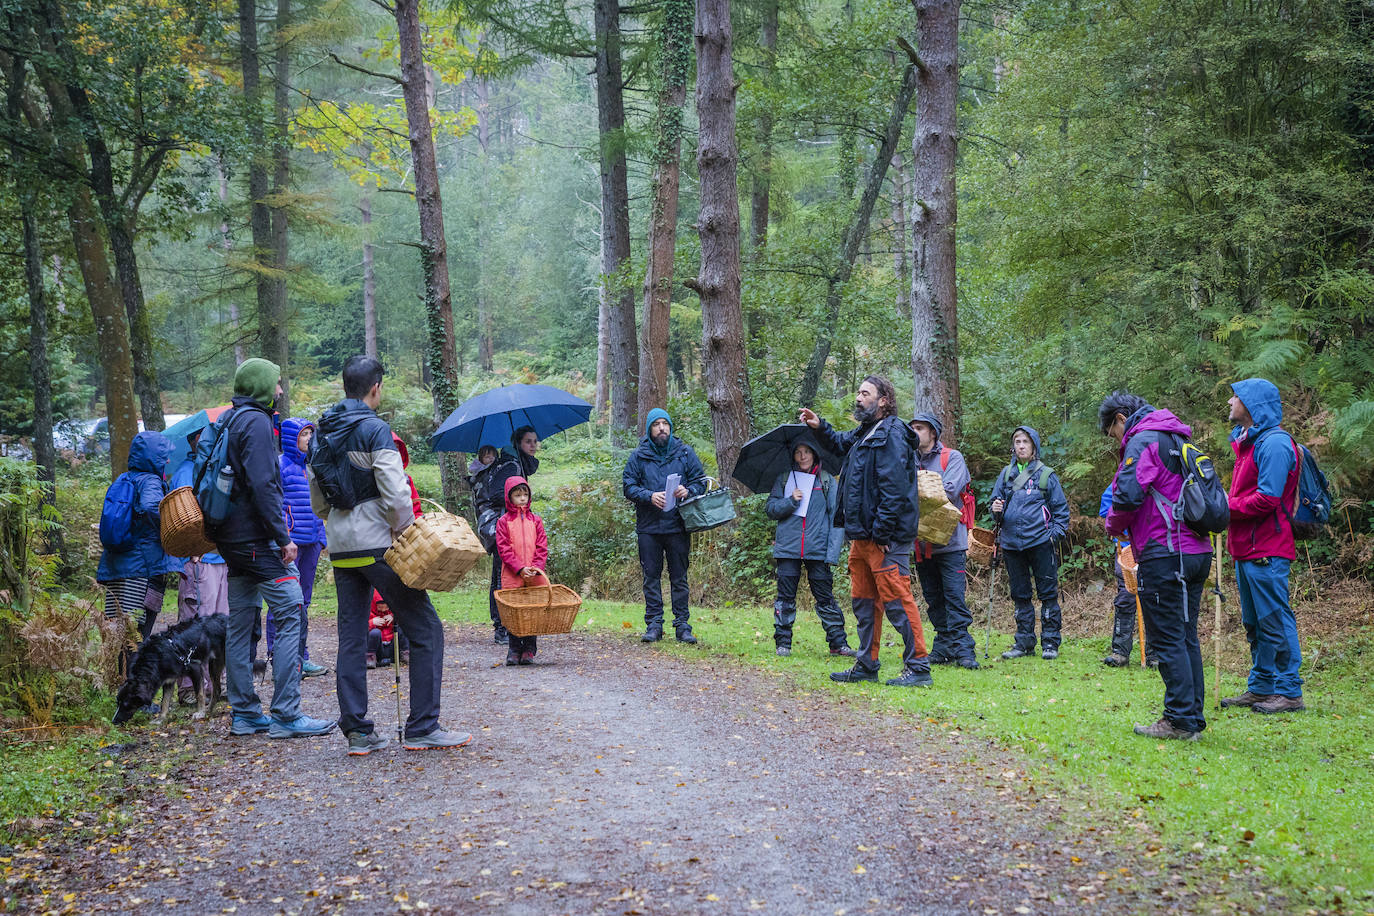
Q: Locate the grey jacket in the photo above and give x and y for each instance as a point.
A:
(955, 477)
(369, 527)
(814, 537)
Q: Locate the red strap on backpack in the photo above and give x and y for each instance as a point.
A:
(968, 504)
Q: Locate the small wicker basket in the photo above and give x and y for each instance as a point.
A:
(435, 552)
(183, 525)
(538, 610)
(938, 518)
(1129, 568)
(981, 546)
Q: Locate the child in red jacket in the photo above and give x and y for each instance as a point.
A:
(381, 633)
(524, 551)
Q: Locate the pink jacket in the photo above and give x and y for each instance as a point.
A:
(520, 540)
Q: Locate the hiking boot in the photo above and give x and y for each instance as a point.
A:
(300, 727)
(310, 669)
(512, 658)
(1247, 699)
(1050, 655)
(371, 660)
(843, 650)
(439, 738)
(500, 636)
(912, 678)
(527, 658)
(360, 744)
(969, 662)
(685, 635)
(249, 725)
(782, 651)
(1279, 703)
(1116, 661)
(652, 634)
(1016, 652)
(1165, 730)
(854, 675)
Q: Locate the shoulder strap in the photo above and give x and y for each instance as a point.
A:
(944, 457)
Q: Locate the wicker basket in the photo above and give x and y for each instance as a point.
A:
(939, 519)
(436, 552)
(538, 610)
(183, 525)
(981, 546)
(1129, 568)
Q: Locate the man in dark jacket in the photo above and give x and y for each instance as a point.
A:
(1029, 504)
(942, 568)
(1173, 559)
(356, 448)
(489, 489)
(879, 512)
(261, 559)
(659, 530)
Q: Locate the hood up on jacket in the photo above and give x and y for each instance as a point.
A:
(1261, 398)
(148, 453)
(401, 447)
(511, 484)
(934, 423)
(290, 433)
(1148, 419)
(1034, 438)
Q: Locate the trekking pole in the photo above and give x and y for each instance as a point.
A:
(1216, 626)
(992, 581)
(1140, 625)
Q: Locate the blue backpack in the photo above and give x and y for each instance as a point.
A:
(118, 514)
(1312, 505)
(212, 479)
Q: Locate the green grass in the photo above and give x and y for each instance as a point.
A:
(62, 779)
(1288, 794)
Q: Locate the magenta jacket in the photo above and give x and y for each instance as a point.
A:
(1135, 513)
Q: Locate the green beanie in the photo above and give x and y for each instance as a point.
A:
(257, 378)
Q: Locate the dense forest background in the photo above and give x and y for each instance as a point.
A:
(1160, 196)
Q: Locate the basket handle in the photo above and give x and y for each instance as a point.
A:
(548, 600)
(434, 502)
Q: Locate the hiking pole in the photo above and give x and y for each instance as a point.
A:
(992, 581)
(1140, 625)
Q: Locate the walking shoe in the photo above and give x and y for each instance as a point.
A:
(440, 737)
(685, 635)
(371, 660)
(653, 634)
(249, 725)
(300, 727)
(1016, 652)
(526, 658)
(911, 678)
(1247, 699)
(1278, 703)
(854, 675)
(969, 662)
(512, 658)
(1116, 661)
(1050, 655)
(1165, 730)
(843, 650)
(360, 744)
(310, 669)
(500, 636)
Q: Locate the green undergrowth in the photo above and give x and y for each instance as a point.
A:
(68, 779)
(1288, 796)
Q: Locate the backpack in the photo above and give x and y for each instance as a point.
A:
(968, 504)
(118, 514)
(1202, 503)
(1312, 503)
(212, 479)
(333, 472)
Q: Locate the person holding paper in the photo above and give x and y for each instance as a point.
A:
(803, 503)
(660, 459)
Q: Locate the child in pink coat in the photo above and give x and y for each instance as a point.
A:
(523, 551)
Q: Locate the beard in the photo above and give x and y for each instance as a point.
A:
(659, 438)
(865, 416)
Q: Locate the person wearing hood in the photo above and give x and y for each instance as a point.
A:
(261, 559)
(489, 487)
(1029, 505)
(135, 578)
(1173, 560)
(304, 525)
(942, 568)
(1264, 490)
(659, 530)
(812, 541)
(523, 550)
(356, 464)
(879, 511)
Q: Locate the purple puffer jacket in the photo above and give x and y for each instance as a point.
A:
(1135, 513)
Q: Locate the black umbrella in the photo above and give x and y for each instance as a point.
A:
(764, 458)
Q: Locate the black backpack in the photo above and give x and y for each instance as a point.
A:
(1202, 504)
(329, 463)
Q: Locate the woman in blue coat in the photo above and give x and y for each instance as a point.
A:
(305, 527)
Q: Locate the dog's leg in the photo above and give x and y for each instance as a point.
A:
(216, 673)
(169, 696)
(197, 675)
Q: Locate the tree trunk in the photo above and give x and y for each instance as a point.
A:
(854, 233)
(603, 355)
(226, 244)
(369, 280)
(727, 376)
(276, 342)
(485, 343)
(675, 59)
(763, 174)
(433, 246)
(900, 264)
(622, 364)
(934, 307)
(260, 216)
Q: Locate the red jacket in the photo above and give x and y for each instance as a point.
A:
(1259, 521)
(405, 463)
(374, 621)
(520, 540)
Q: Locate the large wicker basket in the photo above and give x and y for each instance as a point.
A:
(436, 552)
(939, 519)
(183, 524)
(1129, 569)
(538, 610)
(981, 546)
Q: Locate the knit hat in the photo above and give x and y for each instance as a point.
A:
(658, 413)
(257, 378)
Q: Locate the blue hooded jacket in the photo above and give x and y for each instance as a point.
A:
(148, 455)
(301, 521)
(1273, 453)
(1031, 515)
(646, 473)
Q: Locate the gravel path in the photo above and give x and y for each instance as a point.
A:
(609, 778)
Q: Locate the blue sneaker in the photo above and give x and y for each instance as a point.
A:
(310, 669)
(249, 725)
(300, 727)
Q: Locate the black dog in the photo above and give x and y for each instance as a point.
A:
(188, 648)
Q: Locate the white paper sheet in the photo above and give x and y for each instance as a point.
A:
(670, 492)
(804, 482)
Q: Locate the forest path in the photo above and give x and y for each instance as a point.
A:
(610, 777)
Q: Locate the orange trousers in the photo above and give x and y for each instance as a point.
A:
(884, 577)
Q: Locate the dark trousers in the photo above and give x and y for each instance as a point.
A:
(944, 579)
(676, 548)
(1171, 631)
(413, 612)
(1034, 563)
(496, 623)
(821, 579)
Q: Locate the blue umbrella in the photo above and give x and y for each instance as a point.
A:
(181, 431)
(491, 417)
